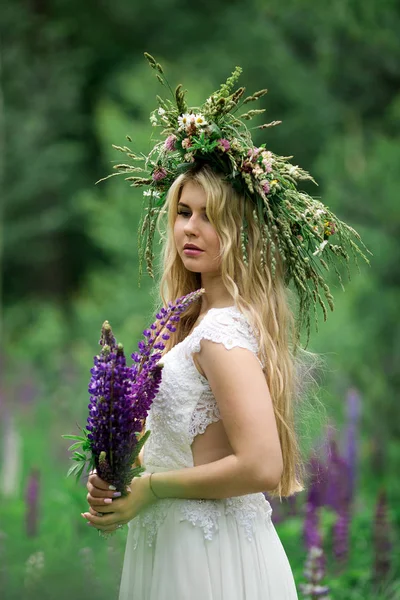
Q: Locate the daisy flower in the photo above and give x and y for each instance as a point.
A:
(199, 120)
(184, 120)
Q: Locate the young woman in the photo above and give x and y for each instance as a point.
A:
(222, 424)
(218, 440)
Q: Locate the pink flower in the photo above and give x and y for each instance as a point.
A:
(265, 186)
(186, 143)
(247, 166)
(170, 143)
(267, 165)
(159, 173)
(253, 153)
(224, 145)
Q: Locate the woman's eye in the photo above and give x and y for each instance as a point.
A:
(183, 212)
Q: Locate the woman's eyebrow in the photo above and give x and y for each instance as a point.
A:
(186, 206)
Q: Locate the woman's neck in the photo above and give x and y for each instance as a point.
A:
(216, 296)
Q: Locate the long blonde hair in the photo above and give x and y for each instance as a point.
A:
(264, 299)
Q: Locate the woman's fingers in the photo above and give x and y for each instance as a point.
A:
(100, 504)
(101, 493)
(99, 483)
(95, 512)
(104, 522)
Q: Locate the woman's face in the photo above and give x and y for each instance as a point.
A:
(193, 228)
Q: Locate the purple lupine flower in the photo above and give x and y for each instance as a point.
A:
(311, 533)
(318, 482)
(32, 503)
(170, 143)
(353, 415)
(341, 538)
(313, 589)
(381, 539)
(337, 489)
(159, 173)
(121, 396)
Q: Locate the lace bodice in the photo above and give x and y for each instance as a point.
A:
(182, 409)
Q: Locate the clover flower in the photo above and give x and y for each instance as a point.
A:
(267, 165)
(170, 143)
(159, 173)
(186, 143)
(223, 145)
(265, 186)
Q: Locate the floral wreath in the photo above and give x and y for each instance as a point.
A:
(293, 223)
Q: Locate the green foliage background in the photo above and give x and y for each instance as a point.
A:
(73, 81)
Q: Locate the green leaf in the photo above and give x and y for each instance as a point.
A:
(76, 445)
(74, 437)
(80, 455)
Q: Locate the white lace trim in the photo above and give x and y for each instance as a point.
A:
(205, 514)
(205, 412)
(227, 326)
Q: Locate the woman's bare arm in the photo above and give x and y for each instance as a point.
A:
(245, 405)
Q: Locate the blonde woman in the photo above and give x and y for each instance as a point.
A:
(222, 424)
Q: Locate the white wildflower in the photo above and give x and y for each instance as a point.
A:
(153, 193)
(317, 252)
(161, 111)
(34, 567)
(153, 120)
(258, 170)
(199, 120)
(184, 120)
(293, 170)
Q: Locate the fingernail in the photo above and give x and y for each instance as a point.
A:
(90, 524)
(107, 500)
(112, 487)
(82, 515)
(117, 494)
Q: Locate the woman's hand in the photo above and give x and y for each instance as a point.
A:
(109, 509)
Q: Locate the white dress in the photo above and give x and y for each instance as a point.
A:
(187, 549)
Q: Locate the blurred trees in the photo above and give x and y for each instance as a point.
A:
(73, 81)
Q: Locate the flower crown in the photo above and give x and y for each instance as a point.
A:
(293, 224)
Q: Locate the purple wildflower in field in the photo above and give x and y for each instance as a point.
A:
(381, 539)
(341, 538)
(353, 415)
(311, 533)
(313, 589)
(337, 489)
(32, 503)
(318, 482)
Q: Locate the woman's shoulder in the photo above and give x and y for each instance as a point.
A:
(227, 325)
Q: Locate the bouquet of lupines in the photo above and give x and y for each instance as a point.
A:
(308, 237)
(120, 398)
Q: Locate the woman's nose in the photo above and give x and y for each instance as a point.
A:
(191, 225)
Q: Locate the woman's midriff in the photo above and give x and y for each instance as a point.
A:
(211, 445)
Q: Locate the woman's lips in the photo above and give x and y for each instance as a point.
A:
(192, 251)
